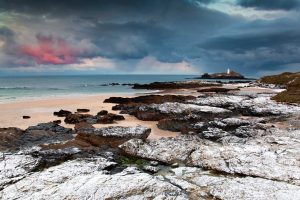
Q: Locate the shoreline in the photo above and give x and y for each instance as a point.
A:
(71, 95)
(41, 110)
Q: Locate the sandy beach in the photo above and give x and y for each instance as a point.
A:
(41, 110)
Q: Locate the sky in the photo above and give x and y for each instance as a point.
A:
(59, 37)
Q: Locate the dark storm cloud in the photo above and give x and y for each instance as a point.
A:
(170, 31)
(271, 4)
(261, 51)
(132, 29)
(244, 42)
(104, 8)
(9, 52)
(8, 38)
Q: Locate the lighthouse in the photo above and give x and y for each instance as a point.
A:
(228, 71)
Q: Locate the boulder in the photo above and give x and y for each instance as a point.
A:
(76, 118)
(83, 110)
(102, 112)
(101, 118)
(109, 118)
(165, 150)
(50, 126)
(14, 139)
(62, 113)
(112, 136)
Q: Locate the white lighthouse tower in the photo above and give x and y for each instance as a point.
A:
(228, 71)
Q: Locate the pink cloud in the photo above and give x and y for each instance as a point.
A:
(50, 50)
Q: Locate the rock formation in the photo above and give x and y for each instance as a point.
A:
(230, 74)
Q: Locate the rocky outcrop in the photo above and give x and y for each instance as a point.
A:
(166, 150)
(273, 157)
(201, 184)
(51, 126)
(155, 112)
(100, 118)
(85, 179)
(174, 85)
(77, 117)
(246, 105)
(13, 139)
(112, 136)
(148, 99)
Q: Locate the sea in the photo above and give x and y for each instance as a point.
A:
(42, 87)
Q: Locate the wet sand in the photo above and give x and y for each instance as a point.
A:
(42, 111)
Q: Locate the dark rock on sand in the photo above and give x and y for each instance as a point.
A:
(26, 117)
(216, 90)
(76, 118)
(12, 139)
(109, 118)
(57, 121)
(103, 117)
(83, 110)
(149, 99)
(102, 112)
(50, 127)
(62, 113)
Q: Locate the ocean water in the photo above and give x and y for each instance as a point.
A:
(39, 87)
(24, 88)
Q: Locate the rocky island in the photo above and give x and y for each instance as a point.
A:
(235, 141)
(230, 74)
